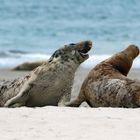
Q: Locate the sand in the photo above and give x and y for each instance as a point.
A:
(64, 123)
(60, 123)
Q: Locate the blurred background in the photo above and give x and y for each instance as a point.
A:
(33, 29)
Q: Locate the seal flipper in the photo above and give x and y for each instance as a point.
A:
(20, 99)
(74, 103)
(77, 102)
(64, 99)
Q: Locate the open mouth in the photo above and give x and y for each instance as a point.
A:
(85, 49)
(84, 55)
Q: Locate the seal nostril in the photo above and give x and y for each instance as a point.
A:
(134, 46)
(137, 48)
(86, 44)
(86, 47)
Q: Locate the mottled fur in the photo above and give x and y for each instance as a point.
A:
(107, 85)
(48, 84)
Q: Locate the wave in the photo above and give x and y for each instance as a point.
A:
(13, 58)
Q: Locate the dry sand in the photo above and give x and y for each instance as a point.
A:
(60, 123)
(63, 123)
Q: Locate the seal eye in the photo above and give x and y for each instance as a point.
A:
(72, 44)
(56, 54)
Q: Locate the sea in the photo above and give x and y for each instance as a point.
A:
(32, 30)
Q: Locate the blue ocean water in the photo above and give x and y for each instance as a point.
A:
(34, 29)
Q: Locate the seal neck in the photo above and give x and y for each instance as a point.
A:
(121, 62)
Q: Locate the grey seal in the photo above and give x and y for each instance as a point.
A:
(48, 84)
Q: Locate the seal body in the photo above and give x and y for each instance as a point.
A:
(27, 66)
(107, 84)
(48, 84)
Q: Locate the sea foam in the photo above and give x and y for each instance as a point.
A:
(13, 60)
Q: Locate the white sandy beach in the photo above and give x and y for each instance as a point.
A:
(63, 123)
(37, 30)
(59, 123)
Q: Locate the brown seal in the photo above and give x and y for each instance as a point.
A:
(48, 84)
(107, 85)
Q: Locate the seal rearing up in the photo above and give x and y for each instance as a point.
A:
(107, 85)
(48, 84)
(123, 61)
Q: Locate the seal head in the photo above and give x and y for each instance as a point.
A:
(79, 52)
(123, 61)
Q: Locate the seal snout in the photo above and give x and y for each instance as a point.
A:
(133, 50)
(85, 47)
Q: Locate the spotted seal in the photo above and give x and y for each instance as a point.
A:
(48, 84)
(27, 66)
(107, 84)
